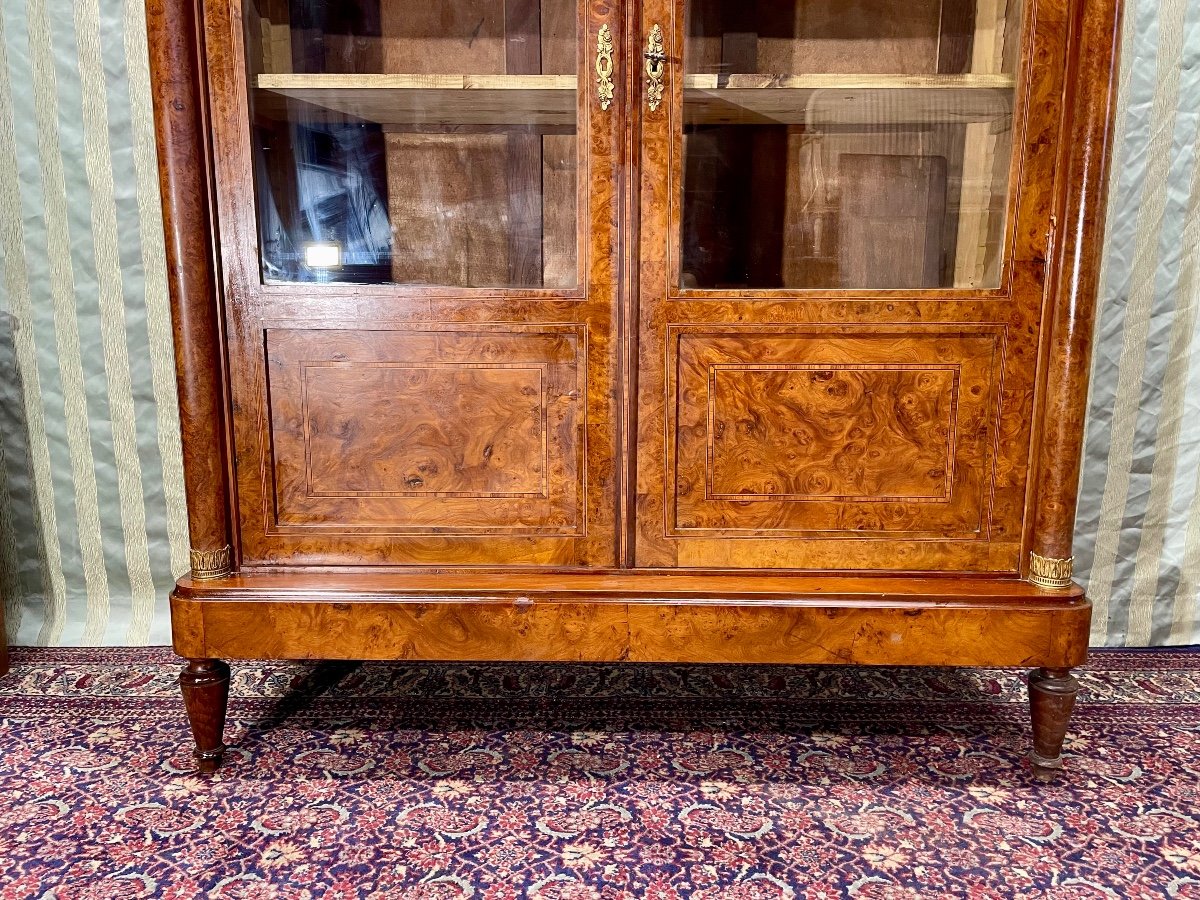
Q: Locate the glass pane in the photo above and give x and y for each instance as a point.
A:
(416, 143)
(847, 143)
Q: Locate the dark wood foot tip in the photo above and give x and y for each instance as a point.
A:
(1052, 695)
(208, 761)
(1046, 770)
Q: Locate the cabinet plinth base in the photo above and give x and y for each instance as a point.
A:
(632, 617)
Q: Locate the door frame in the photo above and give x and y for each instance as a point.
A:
(251, 309)
(1014, 309)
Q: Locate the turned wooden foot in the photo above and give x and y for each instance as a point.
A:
(1051, 702)
(205, 687)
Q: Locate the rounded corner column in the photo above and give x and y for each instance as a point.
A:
(181, 123)
(1073, 275)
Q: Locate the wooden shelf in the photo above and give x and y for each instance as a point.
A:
(436, 99)
(824, 100)
(550, 100)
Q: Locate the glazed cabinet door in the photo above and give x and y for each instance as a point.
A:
(845, 214)
(418, 233)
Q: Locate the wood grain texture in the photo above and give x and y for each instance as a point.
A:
(914, 108)
(1013, 310)
(957, 33)
(445, 36)
(437, 430)
(829, 120)
(857, 306)
(822, 99)
(892, 218)
(205, 687)
(820, 183)
(448, 195)
(181, 126)
(964, 85)
(770, 440)
(448, 100)
(986, 151)
(1082, 203)
(582, 257)
(832, 100)
(1052, 693)
(822, 432)
(427, 430)
(468, 209)
(852, 36)
(526, 191)
(855, 434)
(636, 618)
(315, 37)
(563, 51)
(730, 173)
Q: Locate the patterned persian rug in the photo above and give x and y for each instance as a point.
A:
(501, 782)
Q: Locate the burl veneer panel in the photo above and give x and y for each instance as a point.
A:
(832, 432)
(633, 618)
(789, 431)
(477, 431)
(446, 429)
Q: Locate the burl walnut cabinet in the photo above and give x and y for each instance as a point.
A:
(633, 330)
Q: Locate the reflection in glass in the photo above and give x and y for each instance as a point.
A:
(847, 144)
(415, 143)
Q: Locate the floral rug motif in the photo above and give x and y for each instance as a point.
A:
(562, 782)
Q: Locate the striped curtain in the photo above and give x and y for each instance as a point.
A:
(92, 523)
(1138, 545)
(90, 477)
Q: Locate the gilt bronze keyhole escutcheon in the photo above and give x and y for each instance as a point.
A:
(655, 67)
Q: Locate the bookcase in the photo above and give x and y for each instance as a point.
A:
(633, 330)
